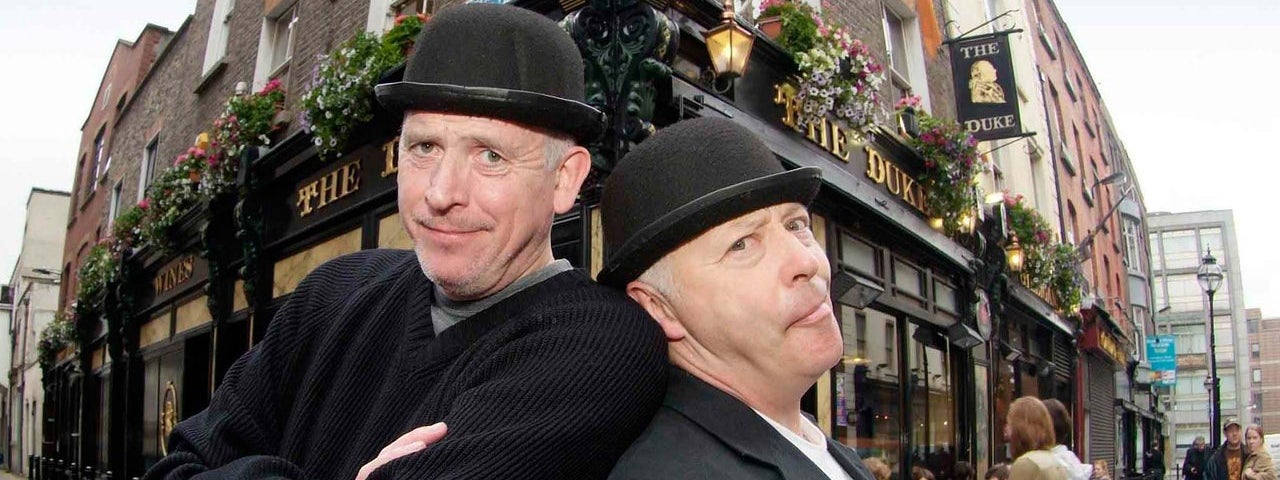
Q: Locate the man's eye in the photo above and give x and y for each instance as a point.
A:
(739, 245)
(490, 156)
(422, 148)
(797, 224)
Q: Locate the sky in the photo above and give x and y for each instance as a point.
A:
(1190, 86)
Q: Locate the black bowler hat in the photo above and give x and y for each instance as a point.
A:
(687, 179)
(497, 61)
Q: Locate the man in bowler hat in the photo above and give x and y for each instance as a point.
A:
(710, 234)
(477, 355)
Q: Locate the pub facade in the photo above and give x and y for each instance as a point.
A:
(939, 335)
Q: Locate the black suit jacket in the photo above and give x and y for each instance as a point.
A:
(703, 433)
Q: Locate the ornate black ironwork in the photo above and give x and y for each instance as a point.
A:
(627, 46)
(989, 265)
(248, 214)
(215, 235)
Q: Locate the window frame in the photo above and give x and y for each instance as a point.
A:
(146, 169)
(219, 35)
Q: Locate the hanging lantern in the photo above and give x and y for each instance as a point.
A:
(1014, 255)
(729, 45)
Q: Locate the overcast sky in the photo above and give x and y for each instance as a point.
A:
(1189, 84)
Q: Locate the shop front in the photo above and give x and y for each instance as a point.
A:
(1104, 358)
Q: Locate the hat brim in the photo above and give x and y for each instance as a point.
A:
(576, 119)
(650, 244)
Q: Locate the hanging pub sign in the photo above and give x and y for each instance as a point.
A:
(986, 94)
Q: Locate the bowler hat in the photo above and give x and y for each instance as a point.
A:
(497, 61)
(684, 180)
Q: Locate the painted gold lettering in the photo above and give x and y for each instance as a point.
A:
(390, 160)
(894, 183)
(840, 144)
(875, 166)
(305, 194)
(351, 181)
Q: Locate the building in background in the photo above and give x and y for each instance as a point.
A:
(98, 192)
(34, 285)
(6, 362)
(1264, 369)
(1101, 212)
(1178, 242)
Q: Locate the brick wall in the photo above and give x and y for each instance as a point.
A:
(865, 21)
(1093, 155)
(86, 220)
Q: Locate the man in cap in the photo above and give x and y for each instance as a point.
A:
(513, 364)
(1227, 461)
(710, 234)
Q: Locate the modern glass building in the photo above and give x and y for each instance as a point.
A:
(1178, 243)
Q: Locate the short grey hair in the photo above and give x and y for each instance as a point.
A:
(554, 148)
(660, 278)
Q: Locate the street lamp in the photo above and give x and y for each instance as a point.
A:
(1210, 277)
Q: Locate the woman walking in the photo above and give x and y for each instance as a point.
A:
(1258, 464)
(1030, 432)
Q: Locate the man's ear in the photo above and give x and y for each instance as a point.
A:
(656, 304)
(569, 177)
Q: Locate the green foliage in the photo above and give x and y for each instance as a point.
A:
(54, 338)
(405, 32)
(174, 194)
(98, 270)
(340, 98)
(951, 166)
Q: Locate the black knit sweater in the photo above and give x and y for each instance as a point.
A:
(553, 382)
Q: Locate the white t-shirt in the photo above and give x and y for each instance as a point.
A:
(813, 445)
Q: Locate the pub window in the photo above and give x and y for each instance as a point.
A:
(906, 57)
(860, 255)
(99, 145)
(867, 385)
(945, 297)
(148, 165)
(1255, 351)
(275, 46)
(282, 33)
(219, 29)
(909, 279)
(1257, 375)
(113, 208)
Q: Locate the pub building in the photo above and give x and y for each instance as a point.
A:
(938, 339)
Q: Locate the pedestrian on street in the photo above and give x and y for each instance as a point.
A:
(478, 354)
(1227, 461)
(1029, 429)
(1259, 465)
(1153, 460)
(998, 472)
(1062, 428)
(720, 252)
(1194, 463)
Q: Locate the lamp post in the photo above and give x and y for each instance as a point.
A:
(1210, 277)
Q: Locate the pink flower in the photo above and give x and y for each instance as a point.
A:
(145, 203)
(198, 152)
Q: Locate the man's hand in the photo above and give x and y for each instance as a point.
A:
(411, 442)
